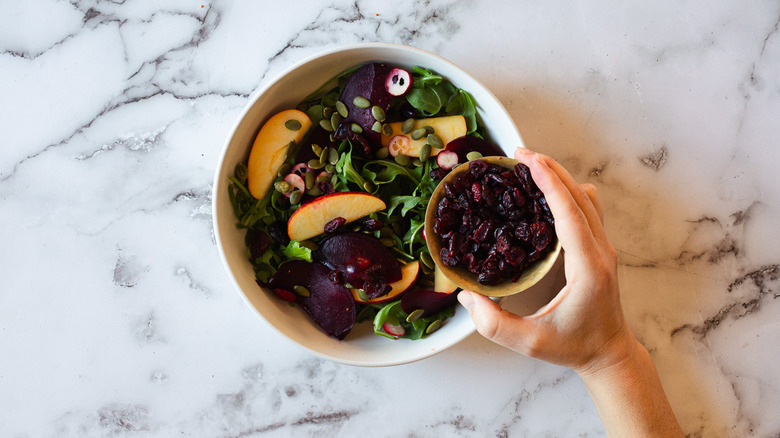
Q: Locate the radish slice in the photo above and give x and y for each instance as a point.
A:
(296, 181)
(398, 82)
(447, 159)
(393, 330)
(399, 144)
(300, 169)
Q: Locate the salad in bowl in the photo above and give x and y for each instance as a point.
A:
(330, 200)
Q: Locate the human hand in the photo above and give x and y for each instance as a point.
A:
(582, 327)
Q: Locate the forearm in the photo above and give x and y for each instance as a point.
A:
(629, 397)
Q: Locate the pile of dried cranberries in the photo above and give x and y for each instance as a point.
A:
(494, 222)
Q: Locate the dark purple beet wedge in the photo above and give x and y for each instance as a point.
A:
(430, 301)
(362, 260)
(330, 305)
(367, 82)
(463, 145)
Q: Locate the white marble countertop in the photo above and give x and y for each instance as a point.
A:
(118, 319)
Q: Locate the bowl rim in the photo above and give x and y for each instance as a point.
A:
(443, 343)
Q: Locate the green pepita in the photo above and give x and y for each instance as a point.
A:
(284, 169)
(369, 186)
(295, 197)
(317, 149)
(417, 162)
(415, 315)
(382, 152)
(292, 125)
(327, 112)
(407, 126)
(429, 129)
(342, 109)
(241, 172)
(330, 168)
(387, 129)
(355, 128)
(315, 113)
(435, 325)
(378, 113)
(361, 102)
(301, 290)
(418, 133)
(377, 127)
(335, 120)
(325, 124)
(333, 156)
(435, 141)
(473, 155)
(314, 191)
(308, 179)
(314, 163)
(403, 160)
(388, 242)
(425, 152)
(283, 187)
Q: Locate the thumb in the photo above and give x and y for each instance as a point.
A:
(492, 322)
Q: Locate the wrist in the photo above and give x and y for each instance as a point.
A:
(616, 354)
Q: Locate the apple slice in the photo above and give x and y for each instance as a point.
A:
(441, 283)
(446, 127)
(409, 274)
(270, 148)
(309, 220)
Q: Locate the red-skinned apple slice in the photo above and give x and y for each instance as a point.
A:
(269, 150)
(309, 220)
(409, 274)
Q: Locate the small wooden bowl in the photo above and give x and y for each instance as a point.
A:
(462, 277)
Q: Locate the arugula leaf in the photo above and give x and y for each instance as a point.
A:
(295, 251)
(346, 170)
(408, 202)
(391, 171)
(427, 100)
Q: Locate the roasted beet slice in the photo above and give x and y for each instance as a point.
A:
(464, 145)
(330, 305)
(362, 260)
(430, 301)
(367, 82)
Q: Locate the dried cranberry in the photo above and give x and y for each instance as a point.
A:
(515, 255)
(439, 173)
(542, 235)
(449, 258)
(477, 168)
(370, 224)
(476, 190)
(335, 224)
(523, 232)
(257, 241)
(278, 232)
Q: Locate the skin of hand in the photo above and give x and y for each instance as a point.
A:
(583, 326)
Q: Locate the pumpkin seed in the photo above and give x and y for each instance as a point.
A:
(335, 120)
(295, 197)
(417, 162)
(361, 102)
(369, 186)
(330, 99)
(362, 295)
(314, 191)
(325, 124)
(377, 127)
(292, 125)
(387, 129)
(435, 325)
(321, 177)
(330, 168)
(333, 156)
(342, 109)
(324, 157)
(473, 155)
(382, 152)
(317, 149)
(407, 126)
(429, 129)
(327, 112)
(283, 170)
(378, 113)
(309, 244)
(415, 315)
(388, 242)
(241, 172)
(308, 179)
(425, 152)
(283, 187)
(427, 260)
(403, 160)
(385, 232)
(418, 133)
(314, 163)
(355, 128)
(435, 141)
(302, 291)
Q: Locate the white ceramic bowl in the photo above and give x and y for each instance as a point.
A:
(361, 346)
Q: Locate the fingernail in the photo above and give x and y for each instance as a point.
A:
(524, 151)
(466, 300)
